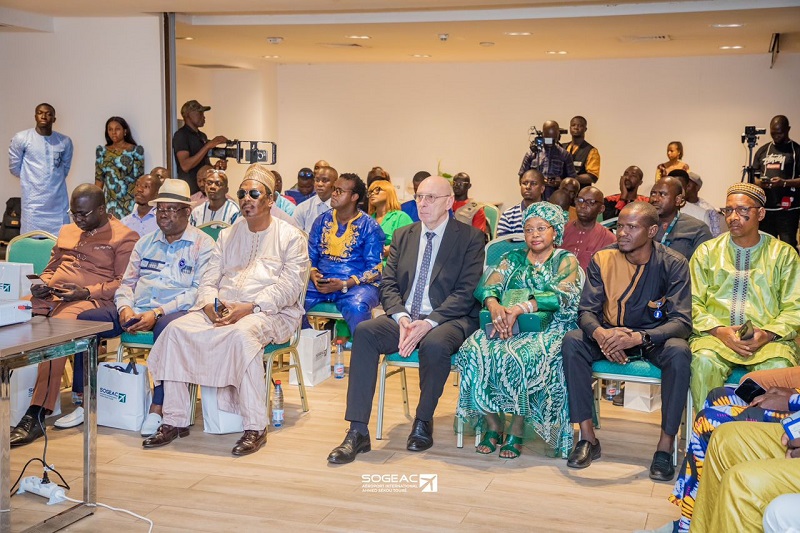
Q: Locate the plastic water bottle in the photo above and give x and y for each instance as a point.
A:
(277, 405)
(338, 362)
(611, 390)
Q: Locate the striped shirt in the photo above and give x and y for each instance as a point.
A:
(511, 221)
(202, 214)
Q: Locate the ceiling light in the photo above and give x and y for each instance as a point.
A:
(184, 38)
(727, 25)
(486, 43)
(357, 37)
(270, 57)
(420, 55)
(556, 52)
(517, 33)
(274, 40)
(733, 47)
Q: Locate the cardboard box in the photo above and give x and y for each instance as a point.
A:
(642, 397)
(314, 349)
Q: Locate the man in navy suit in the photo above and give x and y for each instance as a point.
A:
(432, 270)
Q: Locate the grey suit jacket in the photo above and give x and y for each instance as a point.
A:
(455, 274)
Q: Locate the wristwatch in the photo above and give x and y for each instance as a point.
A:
(344, 286)
(158, 314)
(256, 309)
(647, 342)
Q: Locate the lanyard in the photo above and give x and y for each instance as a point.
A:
(664, 240)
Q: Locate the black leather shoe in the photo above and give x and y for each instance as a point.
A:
(421, 436)
(164, 436)
(27, 431)
(584, 453)
(661, 468)
(353, 444)
(250, 442)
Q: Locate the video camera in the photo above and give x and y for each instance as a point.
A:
(247, 152)
(539, 141)
(751, 133)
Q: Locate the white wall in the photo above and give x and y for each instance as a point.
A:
(475, 117)
(242, 104)
(89, 69)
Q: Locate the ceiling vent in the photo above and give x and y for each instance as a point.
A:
(645, 38)
(212, 66)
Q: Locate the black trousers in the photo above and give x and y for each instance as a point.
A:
(673, 358)
(782, 224)
(382, 335)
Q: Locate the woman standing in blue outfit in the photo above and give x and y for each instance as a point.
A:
(117, 167)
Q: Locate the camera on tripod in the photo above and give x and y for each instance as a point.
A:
(247, 152)
(751, 133)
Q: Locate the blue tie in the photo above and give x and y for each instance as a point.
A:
(419, 290)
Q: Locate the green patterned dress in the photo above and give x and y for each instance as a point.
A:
(524, 375)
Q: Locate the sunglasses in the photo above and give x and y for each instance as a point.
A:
(305, 175)
(255, 194)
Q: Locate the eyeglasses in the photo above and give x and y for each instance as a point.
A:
(741, 210)
(255, 194)
(78, 214)
(376, 190)
(428, 198)
(590, 203)
(305, 174)
(170, 209)
(537, 229)
(339, 190)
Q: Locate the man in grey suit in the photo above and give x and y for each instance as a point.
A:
(432, 270)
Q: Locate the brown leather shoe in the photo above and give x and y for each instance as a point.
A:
(250, 442)
(164, 436)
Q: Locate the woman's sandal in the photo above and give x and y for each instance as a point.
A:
(487, 441)
(509, 446)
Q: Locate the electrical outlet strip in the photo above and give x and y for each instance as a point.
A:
(34, 485)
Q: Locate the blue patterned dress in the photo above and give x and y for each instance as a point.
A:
(524, 375)
(118, 171)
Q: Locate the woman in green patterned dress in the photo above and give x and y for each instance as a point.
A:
(117, 166)
(521, 373)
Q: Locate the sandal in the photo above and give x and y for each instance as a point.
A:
(487, 441)
(510, 446)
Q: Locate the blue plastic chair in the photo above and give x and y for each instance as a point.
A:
(213, 228)
(496, 248)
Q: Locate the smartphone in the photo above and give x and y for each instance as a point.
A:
(746, 332)
(35, 279)
(323, 281)
(219, 307)
(131, 322)
(490, 330)
(749, 390)
(791, 425)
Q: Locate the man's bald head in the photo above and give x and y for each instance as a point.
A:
(642, 210)
(89, 193)
(675, 185)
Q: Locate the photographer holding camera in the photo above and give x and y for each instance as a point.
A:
(780, 179)
(191, 146)
(548, 157)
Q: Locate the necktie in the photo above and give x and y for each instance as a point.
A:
(422, 277)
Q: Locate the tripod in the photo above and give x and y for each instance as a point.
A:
(749, 171)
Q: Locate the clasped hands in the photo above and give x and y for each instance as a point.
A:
(614, 341)
(411, 333)
(503, 318)
(146, 321)
(745, 348)
(228, 312)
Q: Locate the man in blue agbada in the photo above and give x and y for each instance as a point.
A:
(345, 246)
(41, 159)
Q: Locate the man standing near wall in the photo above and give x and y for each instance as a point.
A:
(41, 158)
(585, 157)
(191, 146)
(551, 160)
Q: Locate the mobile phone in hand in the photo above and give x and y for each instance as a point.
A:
(791, 425)
(131, 322)
(35, 279)
(749, 390)
(747, 331)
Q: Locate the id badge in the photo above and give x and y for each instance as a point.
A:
(786, 202)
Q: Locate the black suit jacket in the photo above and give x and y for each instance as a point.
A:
(455, 273)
